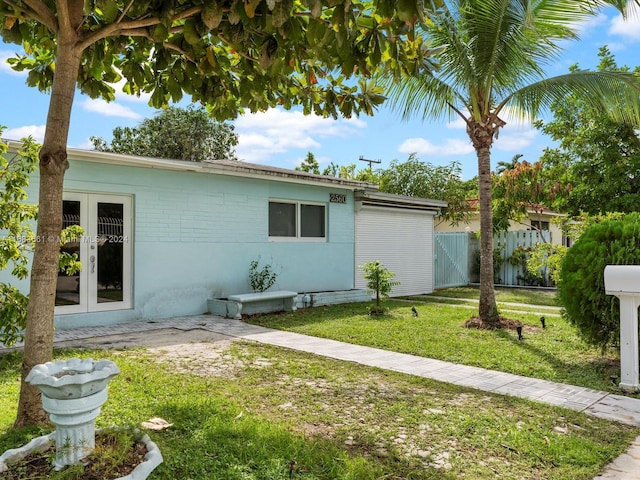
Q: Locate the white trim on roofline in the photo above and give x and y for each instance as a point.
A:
(221, 167)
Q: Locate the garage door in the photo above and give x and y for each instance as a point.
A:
(402, 240)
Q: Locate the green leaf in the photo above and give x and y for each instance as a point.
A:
(110, 11)
(234, 12)
(281, 12)
(159, 32)
(212, 14)
(190, 32)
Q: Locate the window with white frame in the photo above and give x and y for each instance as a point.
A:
(539, 225)
(291, 220)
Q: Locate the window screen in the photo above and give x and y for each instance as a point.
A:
(312, 221)
(282, 219)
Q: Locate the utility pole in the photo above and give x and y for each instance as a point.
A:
(370, 162)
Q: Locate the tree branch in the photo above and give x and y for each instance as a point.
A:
(70, 15)
(453, 107)
(132, 27)
(124, 11)
(38, 11)
(171, 46)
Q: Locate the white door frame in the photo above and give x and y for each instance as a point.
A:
(88, 277)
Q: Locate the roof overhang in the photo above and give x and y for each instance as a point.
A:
(220, 167)
(375, 198)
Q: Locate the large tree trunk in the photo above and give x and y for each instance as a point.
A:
(488, 310)
(38, 345)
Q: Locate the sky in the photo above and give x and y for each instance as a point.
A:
(283, 138)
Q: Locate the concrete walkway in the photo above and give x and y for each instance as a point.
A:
(592, 402)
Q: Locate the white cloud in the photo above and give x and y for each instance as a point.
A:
(4, 66)
(109, 109)
(18, 133)
(457, 124)
(86, 145)
(508, 114)
(125, 97)
(628, 27)
(515, 140)
(261, 135)
(593, 24)
(449, 147)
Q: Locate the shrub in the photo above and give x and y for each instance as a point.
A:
(547, 257)
(581, 287)
(261, 280)
(379, 281)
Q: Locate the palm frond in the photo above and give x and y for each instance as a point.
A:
(422, 97)
(617, 93)
(621, 5)
(498, 46)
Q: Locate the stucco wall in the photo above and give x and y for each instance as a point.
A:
(195, 235)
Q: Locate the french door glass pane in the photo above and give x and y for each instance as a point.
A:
(110, 240)
(68, 286)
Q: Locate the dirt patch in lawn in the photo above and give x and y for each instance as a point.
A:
(190, 351)
(169, 338)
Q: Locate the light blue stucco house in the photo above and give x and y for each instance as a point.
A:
(163, 236)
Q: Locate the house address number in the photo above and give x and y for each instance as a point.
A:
(337, 198)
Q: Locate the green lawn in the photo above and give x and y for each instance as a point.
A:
(261, 413)
(503, 306)
(505, 295)
(555, 353)
(256, 412)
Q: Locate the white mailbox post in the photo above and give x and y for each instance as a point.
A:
(623, 281)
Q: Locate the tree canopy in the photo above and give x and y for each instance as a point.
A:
(597, 161)
(309, 164)
(189, 134)
(231, 55)
(416, 178)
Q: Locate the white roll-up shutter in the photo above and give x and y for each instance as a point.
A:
(402, 240)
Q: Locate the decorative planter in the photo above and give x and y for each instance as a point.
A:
(152, 459)
(73, 378)
(73, 391)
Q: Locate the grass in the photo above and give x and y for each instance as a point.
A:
(259, 412)
(556, 353)
(503, 295)
(503, 306)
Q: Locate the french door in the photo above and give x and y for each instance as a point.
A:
(105, 250)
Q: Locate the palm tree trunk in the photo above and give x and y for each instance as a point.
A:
(38, 345)
(488, 310)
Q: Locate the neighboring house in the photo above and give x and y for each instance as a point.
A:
(163, 236)
(538, 218)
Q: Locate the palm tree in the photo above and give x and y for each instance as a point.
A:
(503, 166)
(491, 61)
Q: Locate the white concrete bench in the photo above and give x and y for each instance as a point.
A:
(262, 302)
